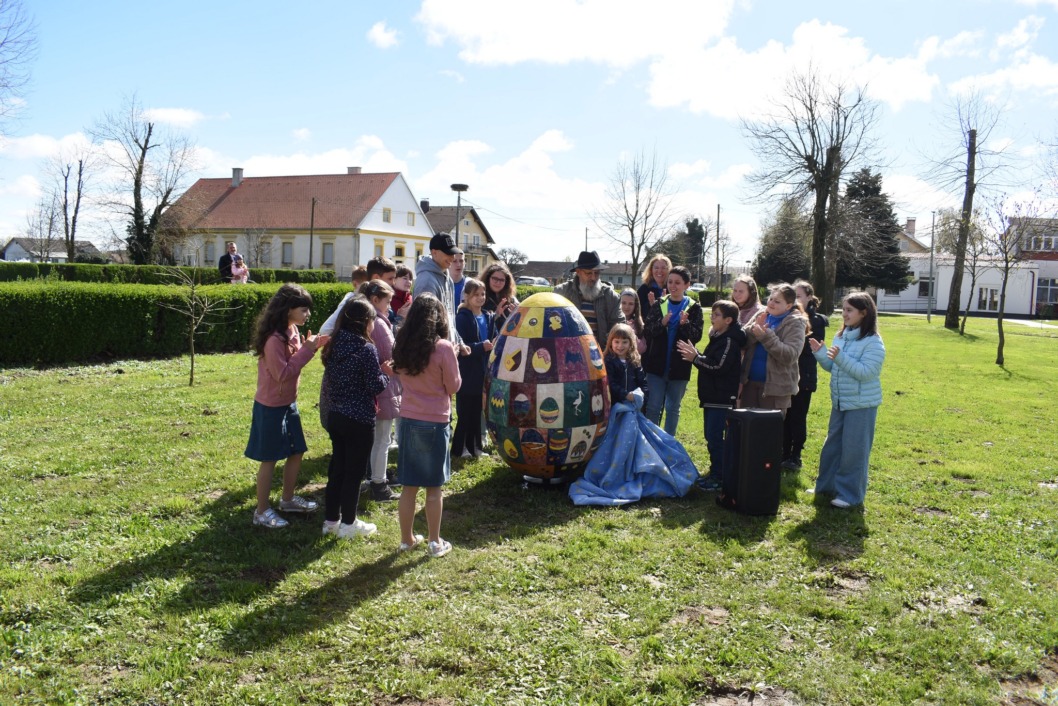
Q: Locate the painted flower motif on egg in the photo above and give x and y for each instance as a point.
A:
(548, 400)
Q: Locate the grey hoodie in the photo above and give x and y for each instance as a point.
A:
(430, 277)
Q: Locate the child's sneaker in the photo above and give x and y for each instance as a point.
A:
(380, 492)
(358, 528)
(298, 504)
(330, 527)
(269, 518)
(416, 541)
(439, 549)
(710, 483)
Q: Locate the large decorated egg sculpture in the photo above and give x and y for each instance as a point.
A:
(546, 394)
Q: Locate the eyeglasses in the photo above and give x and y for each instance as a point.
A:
(499, 280)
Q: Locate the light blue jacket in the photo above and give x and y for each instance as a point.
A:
(855, 374)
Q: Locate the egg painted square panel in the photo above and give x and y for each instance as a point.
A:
(513, 360)
(550, 401)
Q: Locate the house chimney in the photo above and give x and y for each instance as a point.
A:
(425, 205)
(236, 176)
(910, 227)
(352, 170)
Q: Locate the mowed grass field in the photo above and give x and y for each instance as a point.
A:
(130, 572)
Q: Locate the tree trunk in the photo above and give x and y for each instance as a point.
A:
(951, 317)
(999, 320)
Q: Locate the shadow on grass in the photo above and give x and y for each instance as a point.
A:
(831, 536)
(228, 561)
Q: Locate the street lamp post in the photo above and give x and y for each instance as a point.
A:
(459, 189)
(932, 238)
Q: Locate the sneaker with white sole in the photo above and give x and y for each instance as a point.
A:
(439, 549)
(841, 504)
(330, 527)
(269, 518)
(298, 504)
(358, 528)
(416, 541)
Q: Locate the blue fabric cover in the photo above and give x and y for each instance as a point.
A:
(636, 460)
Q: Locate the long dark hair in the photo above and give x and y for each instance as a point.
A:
(508, 288)
(863, 302)
(426, 323)
(637, 313)
(355, 317)
(275, 318)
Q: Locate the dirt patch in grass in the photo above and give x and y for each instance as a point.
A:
(848, 583)
(701, 615)
(1038, 689)
(741, 696)
(932, 511)
(958, 603)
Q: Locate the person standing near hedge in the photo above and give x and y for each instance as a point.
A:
(224, 265)
(240, 273)
(275, 433)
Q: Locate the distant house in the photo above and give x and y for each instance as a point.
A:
(33, 250)
(474, 238)
(330, 221)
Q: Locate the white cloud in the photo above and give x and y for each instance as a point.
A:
(915, 198)
(301, 134)
(35, 147)
(1036, 3)
(1018, 39)
(178, 117)
(727, 81)
(25, 186)
(1031, 73)
(368, 152)
(616, 33)
(683, 170)
(730, 178)
(381, 36)
(454, 75)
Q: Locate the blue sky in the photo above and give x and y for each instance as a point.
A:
(532, 104)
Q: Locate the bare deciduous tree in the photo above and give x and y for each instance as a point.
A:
(42, 229)
(70, 176)
(638, 209)
(514, 258)
(258, 247)
(197, 308)
(818, 129)
(968, 167)
(18, 48)
(153, 166)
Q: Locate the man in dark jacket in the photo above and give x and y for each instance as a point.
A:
(719, 370)
(224, 264)
(596, 300)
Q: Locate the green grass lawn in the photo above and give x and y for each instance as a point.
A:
(130, 573)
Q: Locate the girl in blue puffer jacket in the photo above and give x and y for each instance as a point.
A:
(854, 361)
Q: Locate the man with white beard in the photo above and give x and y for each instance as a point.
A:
(596, 300)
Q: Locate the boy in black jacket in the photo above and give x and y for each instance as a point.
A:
(719, 369)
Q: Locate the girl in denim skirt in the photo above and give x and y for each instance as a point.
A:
(427, 364)
(275, 433)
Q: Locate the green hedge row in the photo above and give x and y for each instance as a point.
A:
(146, 274)
(63, 322)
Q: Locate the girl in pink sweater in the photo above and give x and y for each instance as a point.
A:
(275, 432)
(428, 367)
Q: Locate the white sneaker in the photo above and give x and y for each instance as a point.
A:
(330, 527)
(269, 518)
(358, 528)
(439, 549)
(839, 503)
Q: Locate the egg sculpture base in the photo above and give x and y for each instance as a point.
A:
(546, 397)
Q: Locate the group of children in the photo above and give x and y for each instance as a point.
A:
(763, 361)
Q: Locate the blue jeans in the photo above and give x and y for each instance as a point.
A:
(843, 460)
(715, 419)
(662, 392)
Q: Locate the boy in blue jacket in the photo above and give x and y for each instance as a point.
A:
(719, 370)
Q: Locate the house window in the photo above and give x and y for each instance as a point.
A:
(211, 252)
(411, 218)
(328, 254)
(398, 251)
(923, 286)
(288, 254)
(387, 215)
(987, 299)
(1047, 291)
(477, 239)
(418, 252)
(475, 265)
(466, 221)
(380, 248)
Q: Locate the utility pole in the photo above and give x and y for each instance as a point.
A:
(932, 239)
(719, 275)
(312, 228)
(459, 189)
(585, 238)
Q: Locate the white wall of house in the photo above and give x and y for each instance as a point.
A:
(984, 299)
(14, 252)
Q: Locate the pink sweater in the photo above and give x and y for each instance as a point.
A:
(279, 369)
(428, 395)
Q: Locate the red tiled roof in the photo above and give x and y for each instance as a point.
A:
(342, 201)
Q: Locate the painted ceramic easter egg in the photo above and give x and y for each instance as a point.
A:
(548, 401)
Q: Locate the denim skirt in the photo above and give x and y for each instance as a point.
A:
(423, 459)
(275, 433)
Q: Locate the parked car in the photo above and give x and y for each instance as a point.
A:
(697, 287)
(532, 281)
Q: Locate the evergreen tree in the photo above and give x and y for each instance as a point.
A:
(784, 252)
(869, 248)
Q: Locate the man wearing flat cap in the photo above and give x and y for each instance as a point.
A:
(597, 300)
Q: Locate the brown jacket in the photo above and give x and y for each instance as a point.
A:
(784, 346)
